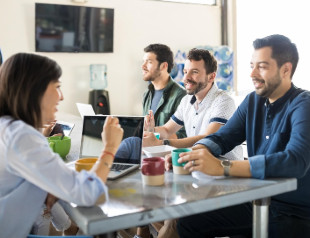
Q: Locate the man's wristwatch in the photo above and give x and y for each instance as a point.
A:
(166, 142)
(226, 165)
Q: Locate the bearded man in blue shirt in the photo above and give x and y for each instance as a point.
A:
(275, 122)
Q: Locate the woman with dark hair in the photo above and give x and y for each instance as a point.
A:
(29, 171)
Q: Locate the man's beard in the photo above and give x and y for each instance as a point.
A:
(199, 86)
(267, 90)
(153, 76)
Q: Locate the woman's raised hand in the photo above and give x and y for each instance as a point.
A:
(112, 134)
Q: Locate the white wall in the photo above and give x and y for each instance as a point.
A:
(259, 18)
(137, 23)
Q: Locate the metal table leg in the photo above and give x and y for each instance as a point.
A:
(260, 218)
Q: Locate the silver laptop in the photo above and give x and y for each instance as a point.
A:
(128, 156)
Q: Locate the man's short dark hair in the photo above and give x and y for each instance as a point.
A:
(163, 54)
(283, 50)
(206, 56)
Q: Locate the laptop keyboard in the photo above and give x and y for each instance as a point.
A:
(120, 167)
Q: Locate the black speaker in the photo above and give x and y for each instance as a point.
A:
(99, 99)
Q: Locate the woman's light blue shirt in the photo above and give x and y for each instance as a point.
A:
(28, 170)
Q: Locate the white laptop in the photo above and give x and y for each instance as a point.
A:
(128, 156)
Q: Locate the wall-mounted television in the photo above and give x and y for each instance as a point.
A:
(66, 28)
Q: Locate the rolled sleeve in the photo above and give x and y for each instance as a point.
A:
(218, 120)
(176, 120)
(212, 146)
(257, 166)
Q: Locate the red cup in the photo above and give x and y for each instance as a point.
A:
(153, 171)
(153, 166)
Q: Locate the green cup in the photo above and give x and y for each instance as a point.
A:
(60, 146)
(177, 167)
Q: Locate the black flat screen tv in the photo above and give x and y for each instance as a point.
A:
(66, 28)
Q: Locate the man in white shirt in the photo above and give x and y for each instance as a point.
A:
(202, 111)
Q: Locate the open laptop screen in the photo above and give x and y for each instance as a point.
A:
(130, 147)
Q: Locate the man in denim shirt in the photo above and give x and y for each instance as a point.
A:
(275, 122)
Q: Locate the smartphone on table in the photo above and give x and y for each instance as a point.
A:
(62, 127)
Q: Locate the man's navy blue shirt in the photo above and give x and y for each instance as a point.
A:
(278, 143)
